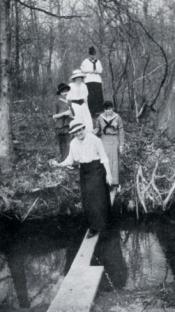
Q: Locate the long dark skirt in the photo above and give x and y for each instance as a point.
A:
(95, 98)
(95, 194)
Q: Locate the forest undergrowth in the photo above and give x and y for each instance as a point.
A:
(35, 190)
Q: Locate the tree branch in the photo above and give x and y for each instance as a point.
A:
(32, 7)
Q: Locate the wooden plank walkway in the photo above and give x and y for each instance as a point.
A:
(80, 285)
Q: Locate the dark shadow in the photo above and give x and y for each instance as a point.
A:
(35, 239)
(109, 254)
(166, 235)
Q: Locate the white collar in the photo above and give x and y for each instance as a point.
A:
(111, 118)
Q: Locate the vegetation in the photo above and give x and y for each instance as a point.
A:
(41, 43)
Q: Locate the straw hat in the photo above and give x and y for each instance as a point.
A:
(77, 73)
(74, 126)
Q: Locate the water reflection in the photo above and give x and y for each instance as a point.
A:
(136, 257)
(109, 254)
(166, 235)
(33, 261)
(146, 262)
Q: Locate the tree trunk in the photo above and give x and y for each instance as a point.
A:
(166, 120)
(4, 87)
(17, 66)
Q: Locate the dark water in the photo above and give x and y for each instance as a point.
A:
(35, 256)
(139, 263)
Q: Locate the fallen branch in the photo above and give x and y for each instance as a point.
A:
(50, 186)
(139, 192)
(167, 199)
(29, 210)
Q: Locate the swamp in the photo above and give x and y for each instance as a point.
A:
(41, 215)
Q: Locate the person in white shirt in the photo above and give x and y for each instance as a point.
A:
(92, 68)
(77, 96)
(87, 150)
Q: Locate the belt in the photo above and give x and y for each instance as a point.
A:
(80, 102)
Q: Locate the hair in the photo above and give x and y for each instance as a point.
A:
(108, 104)
(62, 87)
(92, 51)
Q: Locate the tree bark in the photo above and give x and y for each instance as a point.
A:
(17, 66)
(4, 87)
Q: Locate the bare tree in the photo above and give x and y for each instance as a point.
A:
(4, 87)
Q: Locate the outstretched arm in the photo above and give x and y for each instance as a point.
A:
(67, 162)
(121, 135)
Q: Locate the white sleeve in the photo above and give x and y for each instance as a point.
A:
(69, 94)
(69, 159)
(99, 67)
(101, 151)
(85, 67)
(85, 92)
(103, 157)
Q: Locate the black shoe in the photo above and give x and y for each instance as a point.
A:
(92, 233)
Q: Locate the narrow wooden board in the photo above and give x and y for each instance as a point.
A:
(85, 252)
(80, 285)
(78, 290)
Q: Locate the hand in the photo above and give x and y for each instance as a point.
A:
(121, 149)
(109, 179)
(67, 113)
(53, 163)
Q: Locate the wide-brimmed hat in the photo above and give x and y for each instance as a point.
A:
(62, 87)
(77, 73)
(74, 126)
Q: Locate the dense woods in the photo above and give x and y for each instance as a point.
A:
(41, 43)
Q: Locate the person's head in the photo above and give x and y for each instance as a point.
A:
(77, 129)
(62, 89)
(77, 76)
(92, 52)
(108, 107)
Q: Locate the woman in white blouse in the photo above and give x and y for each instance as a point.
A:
(95, 176)
(92, 68)
(77, 95)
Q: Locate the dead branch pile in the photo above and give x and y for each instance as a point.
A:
(147, 171)
(52, 193)
(148, 192)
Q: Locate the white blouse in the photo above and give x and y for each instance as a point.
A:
(91, 75)
(77, 91)
(85, 151)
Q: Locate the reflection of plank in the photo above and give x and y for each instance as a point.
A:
(79, 287)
